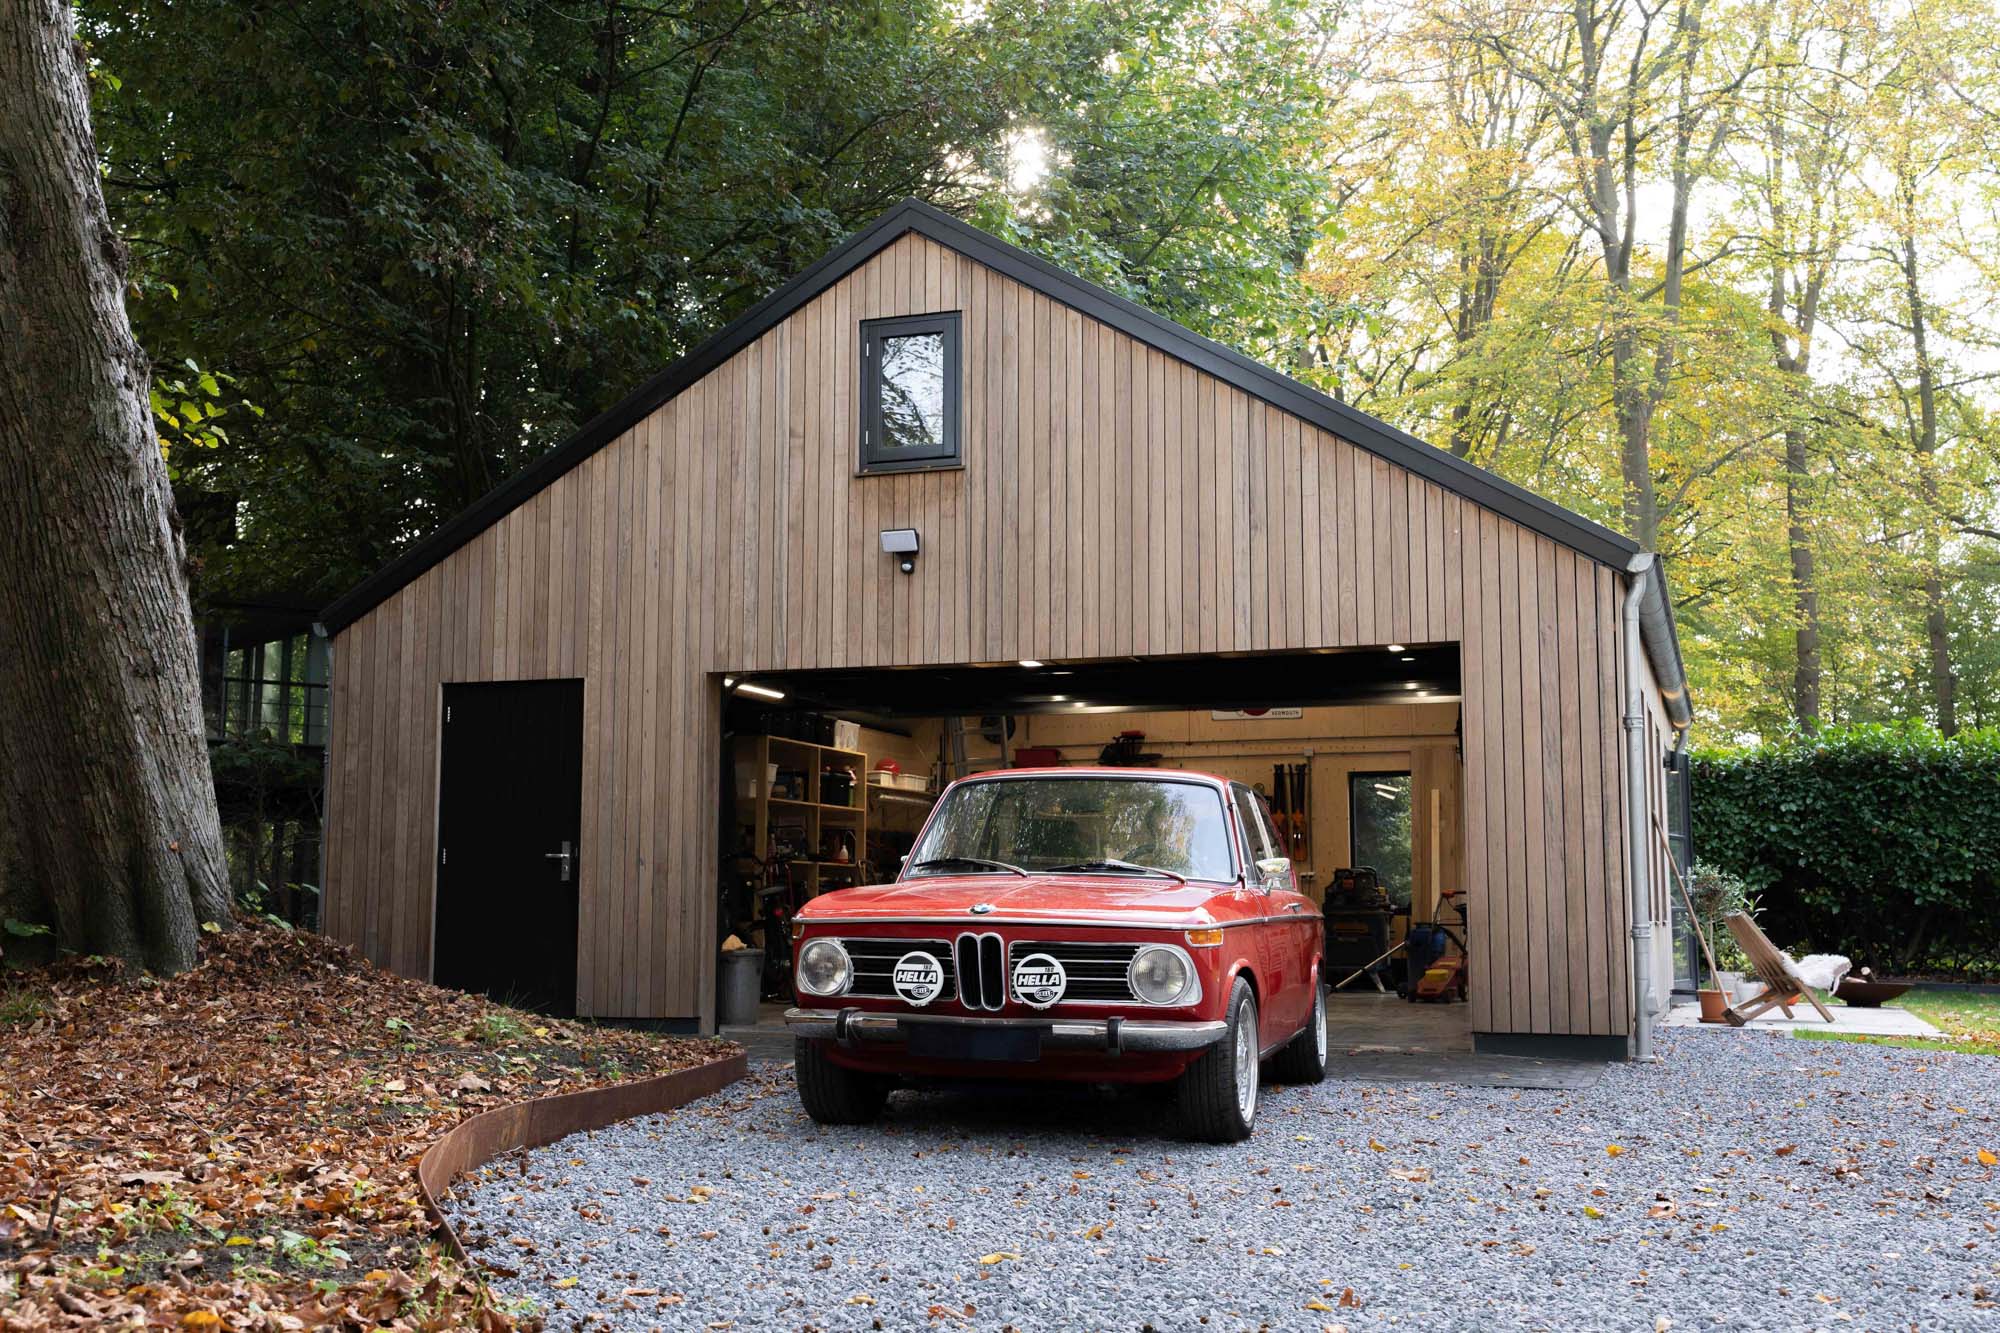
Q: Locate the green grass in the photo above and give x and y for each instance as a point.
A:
(1970, 1021)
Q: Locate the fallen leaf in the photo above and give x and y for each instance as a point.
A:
(1614, 1150)
(1786, 1151)
(1986, 1158)
(564, 1283)
(1588, 1211)
(1317, 1304)
(998, 1256)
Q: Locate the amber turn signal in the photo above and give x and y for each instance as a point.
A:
(1199, 938)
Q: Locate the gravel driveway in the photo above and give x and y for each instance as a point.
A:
(1748, 1181)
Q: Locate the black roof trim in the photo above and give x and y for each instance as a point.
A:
(1356, 427)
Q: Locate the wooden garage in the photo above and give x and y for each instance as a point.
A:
(933, 450)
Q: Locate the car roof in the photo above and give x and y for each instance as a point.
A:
(1102, 771)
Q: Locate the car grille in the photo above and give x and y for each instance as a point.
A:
(1096, 971)
(982, 971)
(875, 960)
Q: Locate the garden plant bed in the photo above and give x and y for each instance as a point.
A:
(236, 1147)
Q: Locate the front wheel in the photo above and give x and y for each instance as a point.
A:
(1303, 1060)
(1218, 1092)
(834, 1094)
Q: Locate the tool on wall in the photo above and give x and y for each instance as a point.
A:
(1293, 810)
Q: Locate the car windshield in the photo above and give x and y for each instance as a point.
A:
(1110, 826)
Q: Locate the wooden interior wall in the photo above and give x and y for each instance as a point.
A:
(1114, 502)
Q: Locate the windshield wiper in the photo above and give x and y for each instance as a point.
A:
(945, 861)
(1121, 867)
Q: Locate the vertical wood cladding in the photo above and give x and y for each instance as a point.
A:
(1113, 501)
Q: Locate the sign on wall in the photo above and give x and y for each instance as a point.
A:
(1257, 714)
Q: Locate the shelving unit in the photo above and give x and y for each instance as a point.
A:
(817, 823)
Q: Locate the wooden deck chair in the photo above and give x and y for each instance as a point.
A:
(1782, 986)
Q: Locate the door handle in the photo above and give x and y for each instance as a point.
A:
(563, 856)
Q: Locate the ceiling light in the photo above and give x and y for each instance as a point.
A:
(1079, 704)
(728, 681)
(1408, 658)
(1408, 685)
(1395, 647)
(1031, 664)
(1058, 698)
(761, 691)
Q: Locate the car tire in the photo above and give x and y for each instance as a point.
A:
(1218, 1092)
(1304, 1058)
(833, 1094)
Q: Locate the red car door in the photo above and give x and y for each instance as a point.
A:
(1280, 1014)
(1300, 917)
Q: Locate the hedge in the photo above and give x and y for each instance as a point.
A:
(1881, 843)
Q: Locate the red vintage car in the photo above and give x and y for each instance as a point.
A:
(1092, 924)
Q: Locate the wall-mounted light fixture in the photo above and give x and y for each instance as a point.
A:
(901, 543)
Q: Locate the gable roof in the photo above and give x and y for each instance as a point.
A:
(1259, 381)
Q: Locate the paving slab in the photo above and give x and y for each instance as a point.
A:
(1883, 1022)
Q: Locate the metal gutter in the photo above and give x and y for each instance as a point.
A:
(1661, 639)
(1260, 381)
(1641, 576)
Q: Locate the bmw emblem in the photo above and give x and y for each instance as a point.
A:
(981, 909)
(1039, 980)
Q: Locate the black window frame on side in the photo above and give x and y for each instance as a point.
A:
(874, 457)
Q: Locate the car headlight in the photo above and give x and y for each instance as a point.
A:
(1161, 974)
(824, 968)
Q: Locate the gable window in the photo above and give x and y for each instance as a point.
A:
(909, 393)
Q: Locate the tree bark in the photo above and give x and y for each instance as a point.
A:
(1806, 667)
(1937, 629)
(104, 778)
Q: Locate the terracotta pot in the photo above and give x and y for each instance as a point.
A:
(1713, 1002)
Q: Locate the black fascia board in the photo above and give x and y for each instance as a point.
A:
(1252, 377)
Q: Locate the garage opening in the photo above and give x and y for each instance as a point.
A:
(828, 777)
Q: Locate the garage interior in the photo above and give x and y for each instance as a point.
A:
(829, 775)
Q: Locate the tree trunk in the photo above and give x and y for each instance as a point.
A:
(106, 781)
(1937, 635)
(1806, 669)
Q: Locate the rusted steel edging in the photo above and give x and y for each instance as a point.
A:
(479, 1139)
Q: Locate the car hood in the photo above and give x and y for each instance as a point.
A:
(1083, 899)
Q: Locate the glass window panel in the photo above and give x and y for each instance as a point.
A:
(912, 402)
(1379, 829)
(1036, 823)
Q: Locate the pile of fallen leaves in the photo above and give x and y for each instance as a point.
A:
(236, 1147)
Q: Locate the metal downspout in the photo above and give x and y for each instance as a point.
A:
(1636, 788)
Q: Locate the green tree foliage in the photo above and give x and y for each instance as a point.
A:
(1879, 842)
(1714, 272)
(427, 241)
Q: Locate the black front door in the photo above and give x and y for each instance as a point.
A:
(510, 813)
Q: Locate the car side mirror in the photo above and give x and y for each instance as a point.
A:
(1276, 872)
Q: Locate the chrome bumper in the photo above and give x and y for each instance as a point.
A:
(1110, 1035)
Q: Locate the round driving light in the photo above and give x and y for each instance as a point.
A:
(823, 968)
(1160, 975)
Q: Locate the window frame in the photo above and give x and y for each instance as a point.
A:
(872, 458)
(1255, 836)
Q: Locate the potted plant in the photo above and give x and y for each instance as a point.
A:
(1714, 893)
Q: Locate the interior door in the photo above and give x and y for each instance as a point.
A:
(510, 814)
